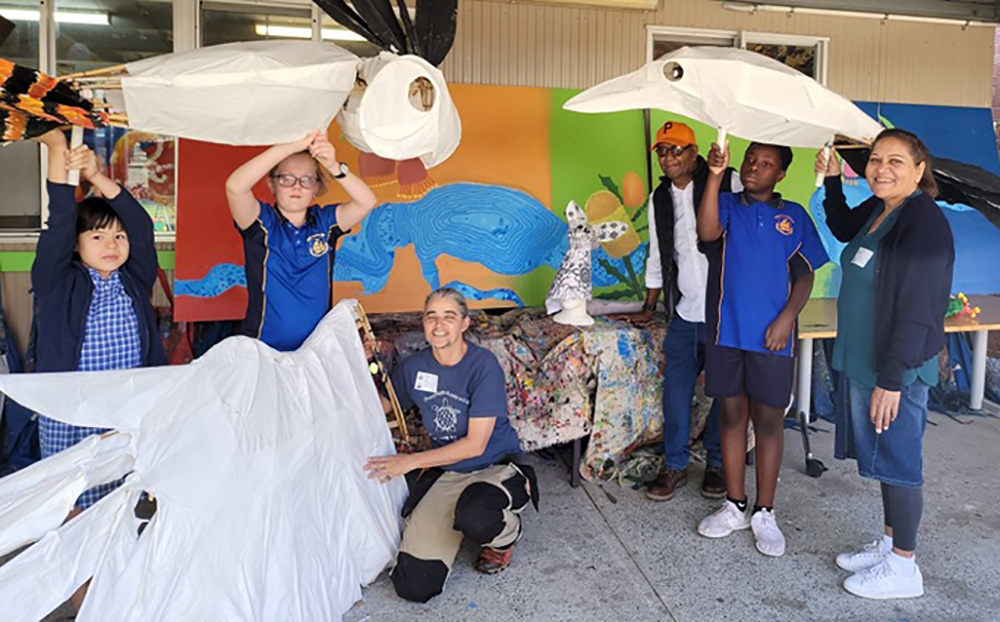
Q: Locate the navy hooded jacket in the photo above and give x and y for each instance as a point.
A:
(63, 288)
(913, 272)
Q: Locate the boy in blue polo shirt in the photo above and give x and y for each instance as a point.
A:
(289, 247)
(762, 253)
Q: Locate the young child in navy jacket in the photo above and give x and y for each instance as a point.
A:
(92, 279)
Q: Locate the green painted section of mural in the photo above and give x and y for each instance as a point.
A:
(605, 153)
(602, 153)
(798, 185)
(20, 261)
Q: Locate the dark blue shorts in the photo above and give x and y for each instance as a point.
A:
(767, 378)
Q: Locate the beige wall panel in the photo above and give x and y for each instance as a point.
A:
(506, 42)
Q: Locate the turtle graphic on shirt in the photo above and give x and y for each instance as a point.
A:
(445, 417)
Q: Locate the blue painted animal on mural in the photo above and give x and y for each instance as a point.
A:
(506, 230)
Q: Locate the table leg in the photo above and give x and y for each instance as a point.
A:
(978, 379)
(574, 467)
(803, 390)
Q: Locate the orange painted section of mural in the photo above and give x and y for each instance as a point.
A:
(505, 144)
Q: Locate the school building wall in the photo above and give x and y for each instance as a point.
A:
(528, 43)
(531, 43)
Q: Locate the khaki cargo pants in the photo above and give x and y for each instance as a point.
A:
(483, 506)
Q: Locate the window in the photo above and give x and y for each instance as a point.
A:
(228, 23)
(111, 32)
(663, 40)
(21, 206)
(807, 54)
(21, 43)
(347, 39)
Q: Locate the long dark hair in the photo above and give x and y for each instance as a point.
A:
(919, 152)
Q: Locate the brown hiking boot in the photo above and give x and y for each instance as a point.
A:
(713, 486)
(492, 561)
(662, 488)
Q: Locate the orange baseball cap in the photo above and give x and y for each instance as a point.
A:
(674, 133)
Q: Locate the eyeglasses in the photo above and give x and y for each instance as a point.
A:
(287, 180)
(674, 150)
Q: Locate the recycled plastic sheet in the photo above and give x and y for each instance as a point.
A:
(746, 93)
(255, 460)
(381, 119)
(245, 93)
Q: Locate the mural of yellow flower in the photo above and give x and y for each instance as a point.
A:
(604, 206)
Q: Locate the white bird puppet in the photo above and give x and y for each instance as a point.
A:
(245, 93)
(402, 118)
(572, 287)
(254, 457)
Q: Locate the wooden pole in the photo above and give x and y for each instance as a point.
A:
(104, 71)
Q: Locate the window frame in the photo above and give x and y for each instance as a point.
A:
(187, 31)
(769, 38)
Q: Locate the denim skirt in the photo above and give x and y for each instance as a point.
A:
(896, 455)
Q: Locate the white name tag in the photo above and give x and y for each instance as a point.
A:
(862, 257)
(426, 382)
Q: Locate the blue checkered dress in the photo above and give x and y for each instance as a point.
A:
(110, 341)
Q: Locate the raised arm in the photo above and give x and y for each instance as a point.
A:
(54, 253)
(709, 225)
(239, 187)
(362, 199)
(844, 223)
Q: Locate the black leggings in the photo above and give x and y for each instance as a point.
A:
(903, 508)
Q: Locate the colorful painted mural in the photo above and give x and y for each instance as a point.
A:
(494, 226)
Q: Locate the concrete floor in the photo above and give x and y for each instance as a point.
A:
(609, 554)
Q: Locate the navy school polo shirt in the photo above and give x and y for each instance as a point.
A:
(447, 396)
(749, 268)
(289, 274)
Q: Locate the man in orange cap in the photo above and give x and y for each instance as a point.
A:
(676, 266)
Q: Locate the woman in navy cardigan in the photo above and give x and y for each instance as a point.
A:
(897, 270)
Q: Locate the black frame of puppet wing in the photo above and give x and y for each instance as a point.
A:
(436, 25)
(345, 16)
(379, 16)
(958, 182)
(411, 32)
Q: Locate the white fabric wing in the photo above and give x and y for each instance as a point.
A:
(38, 498)
(246, 93)
(255, 457)
(748, 94)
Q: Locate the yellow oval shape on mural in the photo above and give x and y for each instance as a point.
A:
(604, 206)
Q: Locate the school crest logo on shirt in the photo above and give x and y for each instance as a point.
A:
(784, 224)
(317, 244)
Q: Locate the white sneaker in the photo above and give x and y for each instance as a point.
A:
(724, 521)
(882, 581)
(871, 555)
(770, 540)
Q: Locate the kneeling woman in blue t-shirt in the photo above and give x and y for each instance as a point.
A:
(476, 493)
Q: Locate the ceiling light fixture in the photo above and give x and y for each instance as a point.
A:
(744, 7)
(62, 17)
(303, 32)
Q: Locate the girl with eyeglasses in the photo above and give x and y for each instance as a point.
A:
(289, 247)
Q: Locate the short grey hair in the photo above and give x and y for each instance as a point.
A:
(450, 294)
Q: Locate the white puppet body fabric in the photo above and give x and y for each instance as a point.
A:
(244, 93)
(573, 281)
(255, 459)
